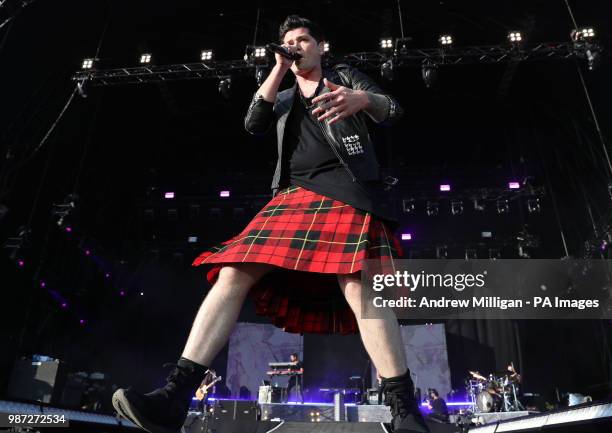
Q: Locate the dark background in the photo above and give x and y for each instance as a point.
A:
(122, 147)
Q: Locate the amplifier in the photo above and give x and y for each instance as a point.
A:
(37, 380)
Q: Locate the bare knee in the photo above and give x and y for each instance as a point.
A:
(351, 287)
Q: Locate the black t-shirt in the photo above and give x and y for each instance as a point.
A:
(297, 366)
(310, 162)
(439, 407)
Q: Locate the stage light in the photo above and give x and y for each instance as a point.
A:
(486, 234)
(409, 205)
(406, 236)
(224, 193)
(457, 207)
(432, 208)
(145, 58)
(259, 52)
(583, 34)
(122, 293)
(502, 206)
(64, 305)
(141, 293)
(445, 40)
(87, 252)
(514, 185)
(43, 284)
(169, 195)
(206, 55)
(192, 239)
(87, 64)
(107, 275)
(533, 205)
(386, 43)
(326, 47)
(445, 187)
(515, 37)
(82, 322)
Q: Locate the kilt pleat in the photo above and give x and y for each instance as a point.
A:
(311, 239)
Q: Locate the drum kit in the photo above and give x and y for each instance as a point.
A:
(497, 392)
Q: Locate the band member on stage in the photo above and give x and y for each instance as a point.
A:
(206, 389)
(327, 216)
(437, 405)
(295, 380)
(513, 374)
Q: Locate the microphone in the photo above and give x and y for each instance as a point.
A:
(275, 48)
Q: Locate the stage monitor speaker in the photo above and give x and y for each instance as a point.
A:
(235, 410)
(37, 380)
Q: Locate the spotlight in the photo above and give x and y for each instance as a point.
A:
(502, 206)
(515, 37)
(326, 47)
(533, 205)
(486, 235)
(457, 207)
(169, 195)
(386, 70)
(406, 236)
(386, 43)
(259, 52)
(429, 72)
(192, 239)
(409, 205)
(225, 87)
(432, 208)
(445, 187)
(514, 185)
(145, 58)
(206, 55)
(224, 193)
(445, 40)
(87, 64)
(583, 34)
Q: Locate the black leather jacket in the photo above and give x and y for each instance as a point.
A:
(349, 138)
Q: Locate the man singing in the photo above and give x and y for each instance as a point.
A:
(326, 218)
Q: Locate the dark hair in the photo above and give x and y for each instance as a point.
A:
(295, 355)
(295, 22)
(434, 392)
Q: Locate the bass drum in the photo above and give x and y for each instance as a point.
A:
(487, 402)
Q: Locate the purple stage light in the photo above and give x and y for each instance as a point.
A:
(445, 187)
(406, 236)
(87, 252)
(107, 275)
(224, 193)
(81, 322)
(43, 284)
(69, 229)
(20, 263)
(514, 185)
(169, 195)
(122, 293)
(64, 305)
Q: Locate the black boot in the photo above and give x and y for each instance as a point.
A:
(165, 409)
(399, 395)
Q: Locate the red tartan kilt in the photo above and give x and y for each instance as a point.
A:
(311, 238)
